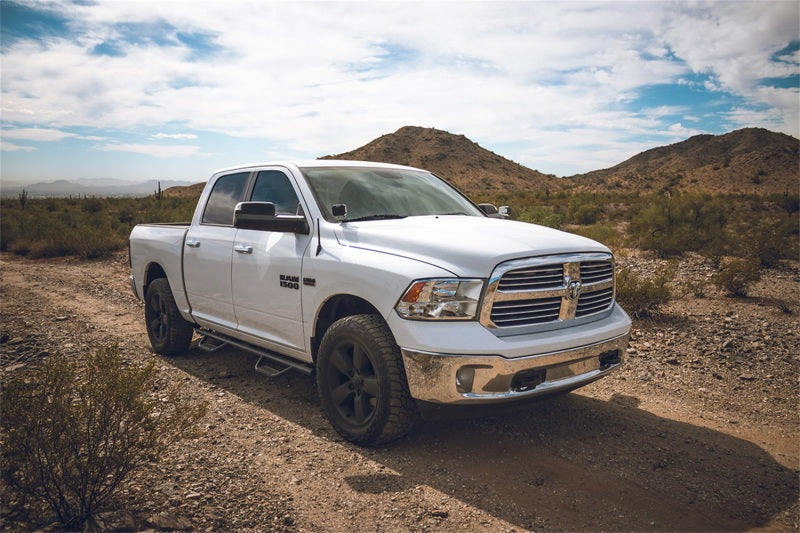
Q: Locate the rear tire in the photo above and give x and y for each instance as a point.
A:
(362, 382)
(168, 331)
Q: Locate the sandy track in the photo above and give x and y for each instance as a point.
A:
(627, 453)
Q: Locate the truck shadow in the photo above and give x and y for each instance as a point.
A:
(568, 463)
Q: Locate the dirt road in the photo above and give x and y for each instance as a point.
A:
(699, 432)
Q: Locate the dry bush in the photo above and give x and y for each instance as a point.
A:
(73, 431)
(643, 296)
(735, 276)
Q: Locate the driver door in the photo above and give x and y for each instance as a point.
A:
(267, 270)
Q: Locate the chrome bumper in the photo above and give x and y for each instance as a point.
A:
(464, 379)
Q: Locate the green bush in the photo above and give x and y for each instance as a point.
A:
(642, 296)
(542, 215)
(601, 232)
(73, 431)
(88, 228)
(735, 276)
(673, 224)
(584, 209)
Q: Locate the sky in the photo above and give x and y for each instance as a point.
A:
(139, 90)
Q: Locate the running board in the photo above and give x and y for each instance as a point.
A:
(269, 363)
(209, 344)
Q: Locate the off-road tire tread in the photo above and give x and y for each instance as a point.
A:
(403, 414)
(180, 332)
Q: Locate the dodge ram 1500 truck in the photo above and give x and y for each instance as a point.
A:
(384, 282)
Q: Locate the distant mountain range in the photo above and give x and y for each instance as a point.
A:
(87, 187)
(747, 161)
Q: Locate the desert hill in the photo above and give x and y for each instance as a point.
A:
(186, 191)
(750, 160)
(462, 162)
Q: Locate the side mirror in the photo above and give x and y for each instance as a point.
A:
(488, 209)
(339, 211)
(505, 211)
(261, 216)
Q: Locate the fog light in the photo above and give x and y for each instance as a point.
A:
(464, 378)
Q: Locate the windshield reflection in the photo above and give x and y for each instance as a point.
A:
(380, 193)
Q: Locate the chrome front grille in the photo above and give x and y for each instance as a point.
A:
(537, 292)
(529, 279)
(594, 302)
(596, 271)
(523, 312)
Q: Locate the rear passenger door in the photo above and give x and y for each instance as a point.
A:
(208, 248)
(267, 269)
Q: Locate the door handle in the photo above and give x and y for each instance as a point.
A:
(192, 243)
(243, 249)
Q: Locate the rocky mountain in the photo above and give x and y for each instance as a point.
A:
(464, 163)
(750, 161)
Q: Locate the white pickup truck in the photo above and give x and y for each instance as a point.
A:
(384, 282)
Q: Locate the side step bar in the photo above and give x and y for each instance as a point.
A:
(269, 363)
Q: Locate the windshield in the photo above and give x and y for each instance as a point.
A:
(382, 193)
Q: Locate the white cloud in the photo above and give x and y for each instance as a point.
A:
(321, 78)
(6, 146)
(35, 134)
(183, 136)
(154, 150)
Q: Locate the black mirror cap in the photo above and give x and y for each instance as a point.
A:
(261, 216)
(255, 208)
(339, 211)
(490, 210)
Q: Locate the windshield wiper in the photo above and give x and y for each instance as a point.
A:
(374, 217)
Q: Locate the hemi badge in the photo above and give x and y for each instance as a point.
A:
(310, 282)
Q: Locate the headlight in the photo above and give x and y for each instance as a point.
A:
(441, 299)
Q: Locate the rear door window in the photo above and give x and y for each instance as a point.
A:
(227, 192)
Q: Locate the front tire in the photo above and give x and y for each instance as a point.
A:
(362, 382)
(168, 331)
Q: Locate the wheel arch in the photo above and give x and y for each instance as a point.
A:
(152, 272)
(334, 308)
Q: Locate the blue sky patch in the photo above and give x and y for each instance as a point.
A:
(788, 51)
(202, 45)
(18, 21)
(786, 82)
(388, 57)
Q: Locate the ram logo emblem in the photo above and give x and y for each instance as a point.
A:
(574, 287)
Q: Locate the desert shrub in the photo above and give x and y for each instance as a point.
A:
(88, 227)
(673, 224)
(542, 215)
(735, 276)
(790, 204)
(93, 205)
(73, 431)
(601, 232)
(584, 209)
(642, 296)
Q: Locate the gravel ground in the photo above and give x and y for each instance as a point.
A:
(697, 432)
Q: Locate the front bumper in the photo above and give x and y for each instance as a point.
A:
(465, 379)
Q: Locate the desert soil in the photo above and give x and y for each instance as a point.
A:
(697, 432)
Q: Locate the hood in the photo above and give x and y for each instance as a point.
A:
(466, 246)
